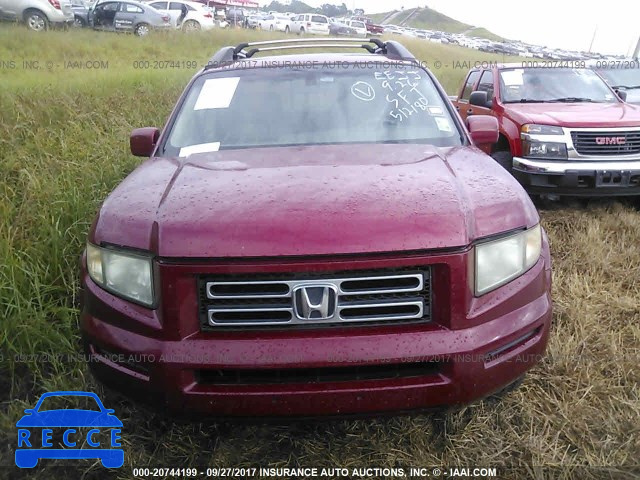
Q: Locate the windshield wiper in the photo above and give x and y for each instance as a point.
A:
(570, 100)
(627, 87)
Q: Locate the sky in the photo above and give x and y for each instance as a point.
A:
(568, 24)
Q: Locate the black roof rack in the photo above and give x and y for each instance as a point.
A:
(391, 48)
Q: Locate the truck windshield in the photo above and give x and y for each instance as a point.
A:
(542, 85)
(303, 105)
(625, 79)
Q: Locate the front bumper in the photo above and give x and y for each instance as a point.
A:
(578, 178)
(130, 351)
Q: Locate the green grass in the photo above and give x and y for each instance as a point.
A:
(64, 147)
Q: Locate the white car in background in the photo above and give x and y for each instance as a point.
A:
(199, 16)
(38, 15)
(283, 23)
(359, 26)
(310, 23)
(278, 22)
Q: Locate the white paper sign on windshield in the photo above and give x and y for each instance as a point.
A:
(217, 93)
(512, 77)
(202, 148)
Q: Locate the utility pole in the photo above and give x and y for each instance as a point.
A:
(593, 38)
(636, 53)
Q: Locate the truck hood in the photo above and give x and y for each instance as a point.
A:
(576, 114)
(314, 200)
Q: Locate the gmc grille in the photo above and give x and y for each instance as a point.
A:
(606, 142)
(315, 299)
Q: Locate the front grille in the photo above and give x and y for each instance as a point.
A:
(606, 142)
(313, 299)
(316, 375)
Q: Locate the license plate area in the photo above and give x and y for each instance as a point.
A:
(613, 178)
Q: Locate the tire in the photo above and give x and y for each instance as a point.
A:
(287, 29)
(36, 20)
(271, 28)
(191, 26)
(141, 30)
(301, 31)
(79, 22)
(504, 159)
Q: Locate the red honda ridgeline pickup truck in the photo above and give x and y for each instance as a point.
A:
(563, 131)
(309, 241)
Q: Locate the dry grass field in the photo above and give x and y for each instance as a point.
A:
(63, 148)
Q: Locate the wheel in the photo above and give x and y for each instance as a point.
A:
(79, 22)
(505, 159)
(301, 31)
(36, 20)
(141, 30)
(287, 29)
(191, 26)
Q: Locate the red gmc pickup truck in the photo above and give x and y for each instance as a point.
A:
(563, 131)
(372, 28)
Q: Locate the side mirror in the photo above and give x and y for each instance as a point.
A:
(483, 129)
(143, 141)
(480, 99)
(29, 411)
(622, 94)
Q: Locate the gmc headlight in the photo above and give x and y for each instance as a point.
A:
(532, 148)
(499, 261)
(542, 129)
(126, 274)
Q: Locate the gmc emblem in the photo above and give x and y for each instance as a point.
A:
(611, 140)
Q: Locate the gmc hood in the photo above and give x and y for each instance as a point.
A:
(315, 200)
(577, 115)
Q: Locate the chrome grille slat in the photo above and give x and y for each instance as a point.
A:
(227, 302)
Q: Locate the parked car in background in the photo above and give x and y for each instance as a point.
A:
(340, 29)
(80, 12)
(622, 76)
(249, 309)
(282, 23)
(252, 21)
(235, 16)
(358, 26)
(310, 23)
(563, 131)
(266, 22)
(372, 28)
(38, 15)
(130, 17)
(198, 16)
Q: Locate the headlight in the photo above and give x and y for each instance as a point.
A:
(499, 261)
(542, 130)
(532, 148)
(126, 274)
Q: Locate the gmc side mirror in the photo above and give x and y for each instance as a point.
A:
(143, 141)
(480, 99)
(483, 129)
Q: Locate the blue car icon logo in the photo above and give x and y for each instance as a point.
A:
(36, 431)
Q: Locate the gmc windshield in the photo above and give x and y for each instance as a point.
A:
(543, 85)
